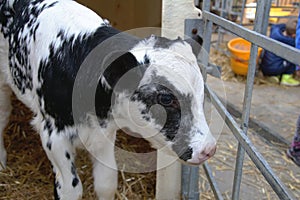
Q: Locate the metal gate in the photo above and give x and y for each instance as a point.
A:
(204, 27)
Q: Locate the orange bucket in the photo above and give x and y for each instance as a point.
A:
(240, 55)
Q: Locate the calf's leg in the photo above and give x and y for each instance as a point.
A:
(5, 110)
(104, 165)
(61, 152)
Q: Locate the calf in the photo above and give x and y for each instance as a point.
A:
(84, 80)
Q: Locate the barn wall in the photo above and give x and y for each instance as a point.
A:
(128, 14)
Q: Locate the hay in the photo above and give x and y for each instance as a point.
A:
(28, 174)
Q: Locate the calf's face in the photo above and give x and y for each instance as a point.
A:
(167, 106)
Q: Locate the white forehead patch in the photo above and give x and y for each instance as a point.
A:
(176, 63)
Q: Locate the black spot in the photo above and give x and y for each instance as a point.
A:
(103, 124)
(75, 181)
(187, 154)
(48, 126)
(73, 169)
(146, 59)
(61, 34)
(56, 187)
(68, 155)
(52, 4)
(147, 118)
(49, 145)
(34, 31)
(72, 136)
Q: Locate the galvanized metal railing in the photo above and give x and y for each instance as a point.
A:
(258, 39)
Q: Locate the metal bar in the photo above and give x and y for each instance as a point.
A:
(242, 11)
(283, 50)
(258, 27)
(229, 4)
(265, 17)
(212, 182)
(245, 120)
(220, 30)
(217, 4)
(206, 40)
(285, 7)
(190, 183)
(190, 174)
(254, 155)
(196, 26)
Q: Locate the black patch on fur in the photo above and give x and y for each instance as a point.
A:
(173, 111)
(119, 67)
(68, 155)
(187, 154)
(146, 60)
(48, 127)
(49, 145)
(75, 177)
(177, 126)
(59, 71)
(113, 73)
(75, 181)
(73, 169)
(56, 186)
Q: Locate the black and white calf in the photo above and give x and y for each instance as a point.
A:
(49, 41)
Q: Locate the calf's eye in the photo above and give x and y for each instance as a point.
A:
(165, 99)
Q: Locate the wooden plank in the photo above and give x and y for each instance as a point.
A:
(128, 14)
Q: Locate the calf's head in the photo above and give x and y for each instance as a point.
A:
(166, 106)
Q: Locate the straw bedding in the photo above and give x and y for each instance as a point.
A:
(28, 174)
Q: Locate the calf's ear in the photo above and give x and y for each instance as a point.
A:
(196, 43)
(124, 72)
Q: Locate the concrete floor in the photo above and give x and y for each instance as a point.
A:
(274, 107)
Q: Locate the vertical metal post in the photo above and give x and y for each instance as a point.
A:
(217, 4)
(260, 9)
(190, 183)
(265, 18)
(242, 11)
(212, 182)
(220, 29)
(206, 38)
(190, 175)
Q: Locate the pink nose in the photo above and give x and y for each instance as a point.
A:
(207, 153)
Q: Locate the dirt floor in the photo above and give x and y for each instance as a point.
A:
(28, 175)
(254, 185)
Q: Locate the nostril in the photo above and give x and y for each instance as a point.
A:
(209, 152)
(212, 152)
